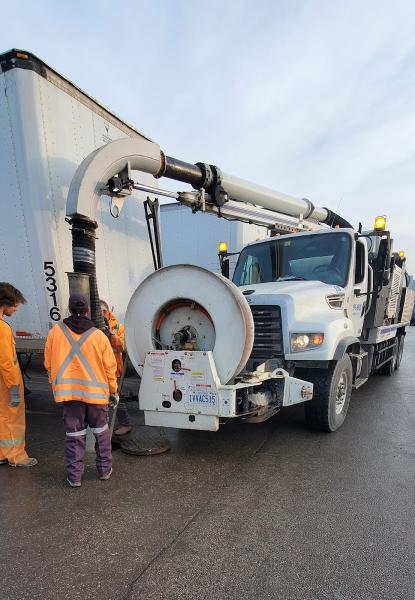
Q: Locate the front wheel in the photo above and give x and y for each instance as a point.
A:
(331, 397)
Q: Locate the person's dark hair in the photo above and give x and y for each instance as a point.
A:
(104, 305)
(9, 295)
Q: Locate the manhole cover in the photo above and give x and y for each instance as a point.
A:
(143, 441)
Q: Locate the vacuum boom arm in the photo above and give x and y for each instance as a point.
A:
(92, 176)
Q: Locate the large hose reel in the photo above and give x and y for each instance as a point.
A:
(185, 307)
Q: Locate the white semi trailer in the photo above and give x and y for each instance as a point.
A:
(310, 315)
(47, 127)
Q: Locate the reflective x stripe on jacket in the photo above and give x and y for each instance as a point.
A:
(70, 388)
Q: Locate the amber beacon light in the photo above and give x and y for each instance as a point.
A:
(380, 223)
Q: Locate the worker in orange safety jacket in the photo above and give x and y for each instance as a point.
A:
(12, 405)
(116, 333)
(82, 371)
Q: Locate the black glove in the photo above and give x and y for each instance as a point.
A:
(106, 328)
(114, 400)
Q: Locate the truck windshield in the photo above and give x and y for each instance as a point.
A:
(320, 257)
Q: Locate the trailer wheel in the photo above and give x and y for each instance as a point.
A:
(332, 390)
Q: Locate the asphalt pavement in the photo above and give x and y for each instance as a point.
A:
(270, 511)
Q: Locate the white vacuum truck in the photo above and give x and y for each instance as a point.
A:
(311, 313)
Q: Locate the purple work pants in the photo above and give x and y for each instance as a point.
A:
(76, 416)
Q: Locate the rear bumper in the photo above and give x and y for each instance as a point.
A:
(194, 398)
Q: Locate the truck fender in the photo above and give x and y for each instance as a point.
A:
(343, 345)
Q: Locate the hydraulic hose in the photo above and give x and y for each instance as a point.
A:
(83, 254)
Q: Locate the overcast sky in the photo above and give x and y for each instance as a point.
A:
(314, 98)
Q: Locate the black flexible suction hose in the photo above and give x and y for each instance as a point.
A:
(83, 254)
(335, 220)
(182, 171)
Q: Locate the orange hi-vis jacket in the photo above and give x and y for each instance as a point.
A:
(12, 420)
(80, 366)
(117, 340)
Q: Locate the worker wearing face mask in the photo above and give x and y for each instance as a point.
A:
(12, 406)
(82, 371)
(117, 341)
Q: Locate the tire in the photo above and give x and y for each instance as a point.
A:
(332, 390)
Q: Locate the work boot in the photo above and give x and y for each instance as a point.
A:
(74, 483)
(123, 430)
(27, 462)
(105, 477)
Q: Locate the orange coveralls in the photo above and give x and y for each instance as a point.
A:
(12, 420)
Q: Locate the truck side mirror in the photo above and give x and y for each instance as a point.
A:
(225, 267)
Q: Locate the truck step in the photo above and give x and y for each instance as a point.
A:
(359, 382)
(363, 359)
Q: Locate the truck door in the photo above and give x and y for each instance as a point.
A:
(357, 299)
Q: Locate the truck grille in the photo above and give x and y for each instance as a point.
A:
(268, 332)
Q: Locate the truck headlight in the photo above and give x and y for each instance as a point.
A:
(305, 341)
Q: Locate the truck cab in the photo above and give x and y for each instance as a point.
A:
(315, 284)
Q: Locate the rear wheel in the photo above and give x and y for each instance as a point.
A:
(331, 397)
